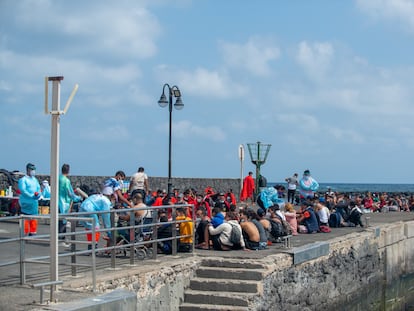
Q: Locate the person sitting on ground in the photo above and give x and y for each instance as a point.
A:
(264, 220)
(290, 215)
(308, 217)
(323, 214)
(164, 231)
(217, 217)
(369, 203)
(201, 203)
(186, 229)
(202, 229)
(221, 202)
(254, 233)
(342, 207)
(250, 232)
(355, 215)
(221, 234)
(276, 210)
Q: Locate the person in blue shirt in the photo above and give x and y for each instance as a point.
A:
(98, 203)
(29, 198)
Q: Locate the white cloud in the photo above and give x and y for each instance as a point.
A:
(203, 82)
(399, 11)
(189, 130)
(315, 58)
(254, 56)
(116, 29)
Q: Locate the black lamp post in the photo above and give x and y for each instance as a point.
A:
(173, 91)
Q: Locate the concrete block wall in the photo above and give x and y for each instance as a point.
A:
(218, 184)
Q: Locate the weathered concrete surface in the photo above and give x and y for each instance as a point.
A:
(116, 300)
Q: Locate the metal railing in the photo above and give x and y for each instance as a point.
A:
(142, 241)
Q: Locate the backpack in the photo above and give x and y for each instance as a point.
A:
(235, 234)
(335, 220)
(276, 229)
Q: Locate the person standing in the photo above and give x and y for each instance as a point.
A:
(66, 197)
(116, 184)
(292, 185)
(248, 188)
(139, 182)
(308, 186)
(29, 188)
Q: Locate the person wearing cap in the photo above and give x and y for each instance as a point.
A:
(66, 197)
(308, 186)
(98, 203)
(29, 188)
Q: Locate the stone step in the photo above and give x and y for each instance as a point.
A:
(240, 263)
(219, 285)
(217, 298)
(230, 273)
(203, 307)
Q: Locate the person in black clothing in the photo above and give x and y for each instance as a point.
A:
(355, 215)
(164, 231)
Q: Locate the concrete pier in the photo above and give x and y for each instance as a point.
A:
(320, 272)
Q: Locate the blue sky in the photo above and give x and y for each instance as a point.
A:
(327, 83)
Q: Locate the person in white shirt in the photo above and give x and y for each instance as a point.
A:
(323, 213)
(292, 185)
(139, 183)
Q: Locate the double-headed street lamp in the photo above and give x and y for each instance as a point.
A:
(173, 91)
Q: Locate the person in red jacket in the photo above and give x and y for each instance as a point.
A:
(248, 188)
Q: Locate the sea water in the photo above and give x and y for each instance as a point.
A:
(359, 187)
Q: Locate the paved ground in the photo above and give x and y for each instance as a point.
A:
(22, 297)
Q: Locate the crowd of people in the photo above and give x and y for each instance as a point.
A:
(216, 219)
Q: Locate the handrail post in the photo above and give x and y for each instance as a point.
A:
(174, 231)
(73, 245)
(22, 251)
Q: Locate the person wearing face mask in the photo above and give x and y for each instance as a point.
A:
(29, 188)
(98, 203)
(221, 202)
(116, 183)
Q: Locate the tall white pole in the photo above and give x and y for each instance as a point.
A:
(54, 178)
(241, 157)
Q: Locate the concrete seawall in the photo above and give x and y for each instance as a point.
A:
(356, 271)
(219, 184)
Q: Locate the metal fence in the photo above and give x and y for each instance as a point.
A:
(139, 241)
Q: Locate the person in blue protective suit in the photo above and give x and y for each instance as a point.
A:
(66, 197)
(308, 186)
(269, 197)
(29, 198)
(98, 203)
